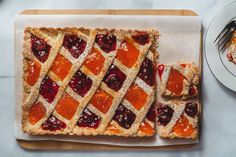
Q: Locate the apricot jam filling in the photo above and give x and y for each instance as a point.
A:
(33, 70)
(146, 128)
(183, 127)
(113, 129)
(94, 61)
(67, 106)
(36, 112)
(127, 54)
(61, 66)
(136, 96)
(102, 100)
(175, 82)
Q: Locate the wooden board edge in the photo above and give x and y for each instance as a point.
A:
(182, 12)
(55, 145)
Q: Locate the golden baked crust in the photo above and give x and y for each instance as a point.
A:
(54, 40)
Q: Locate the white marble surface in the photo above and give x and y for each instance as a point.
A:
(218, 129)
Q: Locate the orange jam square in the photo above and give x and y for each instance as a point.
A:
(136, 96)
(94, 61)
(61, 66)
(102, 100)
(127, 54)
(175, 82)
(36, 112)
(33, 70)
(113, 129)
(67, 106)
(146, 128)
(183, 127)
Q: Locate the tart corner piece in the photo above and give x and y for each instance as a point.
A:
(178, 119)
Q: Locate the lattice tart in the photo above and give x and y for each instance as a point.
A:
(178, 119)
(178, 80)
(89, 81)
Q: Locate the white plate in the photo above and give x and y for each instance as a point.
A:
(221, 68)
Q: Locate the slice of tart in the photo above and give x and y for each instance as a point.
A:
(178, 119)
(178, 80)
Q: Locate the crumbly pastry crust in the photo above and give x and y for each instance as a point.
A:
(54, 37)
(189, 71)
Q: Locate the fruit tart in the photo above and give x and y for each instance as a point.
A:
(81, 81)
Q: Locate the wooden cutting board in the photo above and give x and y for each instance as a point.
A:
(59, 145)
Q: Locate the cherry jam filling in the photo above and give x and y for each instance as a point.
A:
(114, 78)
(151, 115)
(80, 83)
(191, 109)
(124, 117)
(48, 89)
(164, 114)
(147, 73)
(53, 124)
(141, 37)
(89, 119)
(107, 42)
(40, 48)
(74, 44)
(192, 91)
(160, 69)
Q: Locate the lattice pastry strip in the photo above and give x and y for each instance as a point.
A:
(40, 49)
(76, 97)
(148, 125)
(116, 82)
(178, 119)
(178, 80)
(78, 43)
(136, 102)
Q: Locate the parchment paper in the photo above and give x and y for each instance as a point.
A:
(179, 41)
